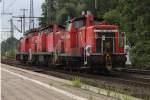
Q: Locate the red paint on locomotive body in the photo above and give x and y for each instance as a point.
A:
(49, 42)
(119, 49)
(31, 41)
(41, 42)
(53, 38)
(58, 32)
(34, 42)
(22, 45)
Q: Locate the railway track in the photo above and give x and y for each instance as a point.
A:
(140, 78)
(136, 71)
(127, 83)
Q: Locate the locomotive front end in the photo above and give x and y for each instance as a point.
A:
(107, 47)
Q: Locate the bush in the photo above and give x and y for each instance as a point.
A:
(10, 54)
(76, 82)
(141, 54)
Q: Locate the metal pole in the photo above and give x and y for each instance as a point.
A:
(31, 20)
(12, 34)
(95, 8)
(11, 28)
(21, 25)
(3, 6)
(96, 4)
(24, 24)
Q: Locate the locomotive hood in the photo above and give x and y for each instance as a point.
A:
(105, 26)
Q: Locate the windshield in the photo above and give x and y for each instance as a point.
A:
(79, 23)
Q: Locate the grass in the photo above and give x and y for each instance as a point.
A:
(91, 98)
(76, 82)
(126, 98)
(50, 83)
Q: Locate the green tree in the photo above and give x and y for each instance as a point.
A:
(9, 47)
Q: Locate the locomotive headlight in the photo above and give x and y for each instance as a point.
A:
(88, 50)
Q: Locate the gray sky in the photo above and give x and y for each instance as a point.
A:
(14, 6)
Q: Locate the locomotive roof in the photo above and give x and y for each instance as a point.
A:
(61, 26)
(50, 26)
(21, 38)
(106, 26)
(41, 29)
(83, 18)
(31, 31)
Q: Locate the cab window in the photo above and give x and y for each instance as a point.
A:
(79, 23)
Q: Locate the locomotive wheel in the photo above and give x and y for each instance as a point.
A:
(105, 71)
(92, 69)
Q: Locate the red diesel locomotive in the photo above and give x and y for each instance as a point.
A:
(86, 41)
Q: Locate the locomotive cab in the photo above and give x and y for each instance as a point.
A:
(108, 49)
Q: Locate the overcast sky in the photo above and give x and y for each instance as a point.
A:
(14, 6)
